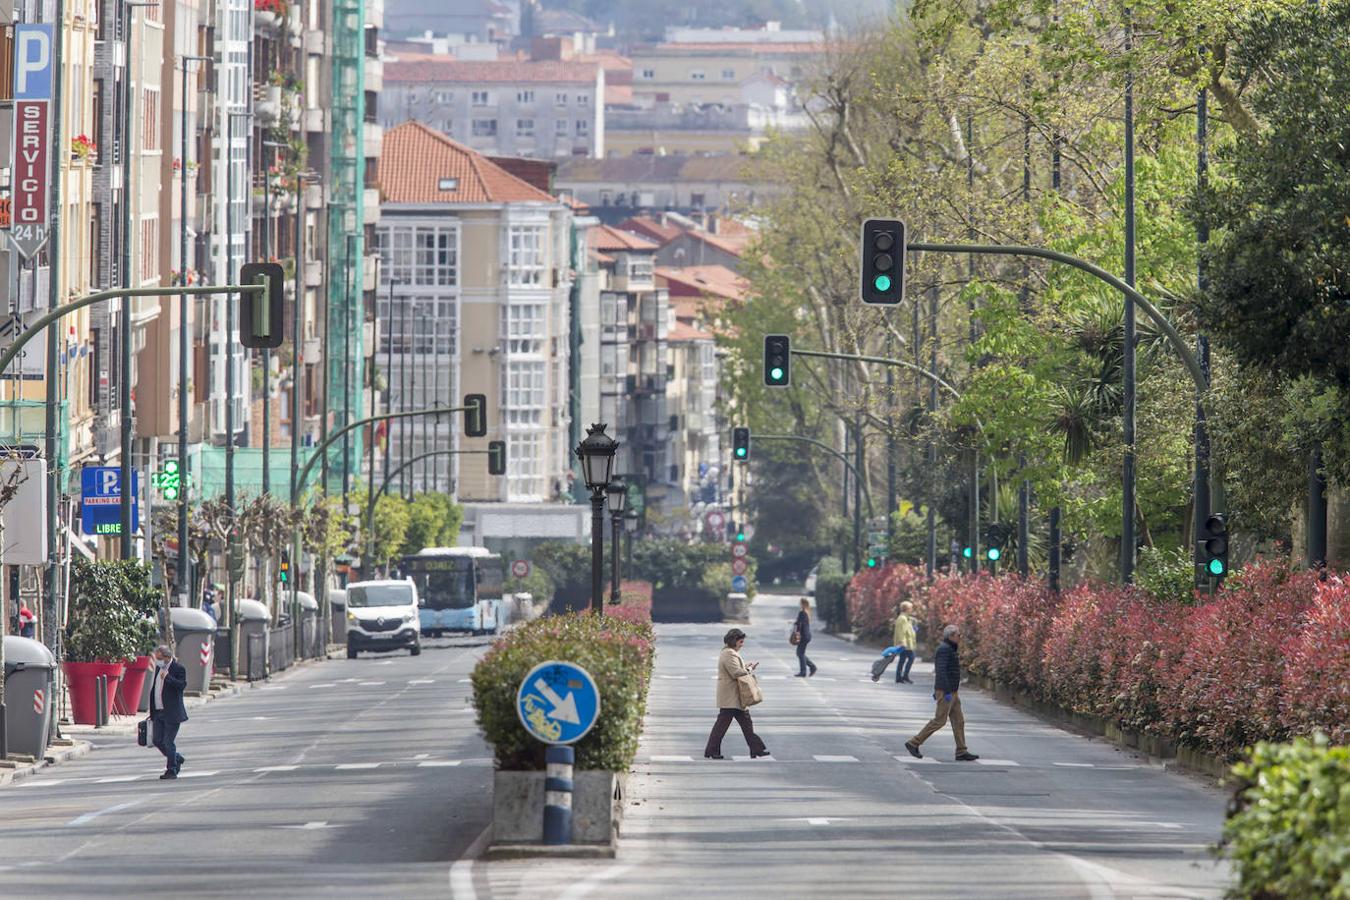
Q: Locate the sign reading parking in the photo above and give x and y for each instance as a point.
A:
(101, 499)
(558, 702)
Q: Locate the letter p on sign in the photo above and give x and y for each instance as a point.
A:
(33, 62)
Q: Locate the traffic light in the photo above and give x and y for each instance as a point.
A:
(993, 554)
(968, 552)
(883, 261)
(740, 444)
(475, 415)
(873, 562)
(234, 554)
(496, 457)
(168, 480)
(261, 314)
(285, 571)
(1214, 545)
(777, 360)
(996, 535)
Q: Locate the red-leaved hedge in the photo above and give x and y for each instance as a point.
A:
(1267, 658)
(873, 599)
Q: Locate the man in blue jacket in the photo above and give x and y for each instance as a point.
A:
(167, 711)
(946, 684)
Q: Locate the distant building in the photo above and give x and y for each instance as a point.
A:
(463, 21)
(476, 282)
(550, 108)
(617, 187)
(699, 66)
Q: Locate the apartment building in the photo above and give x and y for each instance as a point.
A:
(474, 298)
(695, 66)
(545, 108)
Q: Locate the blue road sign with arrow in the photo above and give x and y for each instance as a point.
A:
(739, 583)
(558, 702)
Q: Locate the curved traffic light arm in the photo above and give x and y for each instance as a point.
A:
(170, 291)
(384, 485)
(823, 446)
(884, 361)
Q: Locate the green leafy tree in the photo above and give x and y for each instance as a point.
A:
(389, 529)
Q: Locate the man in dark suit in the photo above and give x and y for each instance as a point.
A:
(167, 711)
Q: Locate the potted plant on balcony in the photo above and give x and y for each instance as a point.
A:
(101, 633)
(267, 12)
(82, 147)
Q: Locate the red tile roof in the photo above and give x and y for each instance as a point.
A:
(442, 70)
(685, 331)
(607, 237)
(414, 160)
(651, 228)
(700, 281)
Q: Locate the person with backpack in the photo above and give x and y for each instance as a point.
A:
(801, 636)
(905, 638)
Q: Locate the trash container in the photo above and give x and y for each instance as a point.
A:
(337, 598)
(195, 632)
(309, 624)
(30, 695)
(254, 624)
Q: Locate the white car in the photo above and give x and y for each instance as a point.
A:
(382, 615)
(811, 580)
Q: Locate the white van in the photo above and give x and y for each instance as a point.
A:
(382, 615)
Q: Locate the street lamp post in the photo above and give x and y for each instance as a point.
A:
(630, 526)
(617, 491)
(596, 452)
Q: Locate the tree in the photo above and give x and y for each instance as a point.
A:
(433, 521)
(389, 529)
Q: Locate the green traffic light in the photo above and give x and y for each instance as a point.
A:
(1216, 567)
(882, 283)
(872, 562)
(967, 553)
(740, 537)
(740, 451)
(776, 374)
(994, 554)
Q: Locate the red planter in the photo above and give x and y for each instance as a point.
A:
(129, 691)
(80, 681)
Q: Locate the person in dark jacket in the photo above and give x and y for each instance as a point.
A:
(946, 684)
(167, 712)
(802, 629)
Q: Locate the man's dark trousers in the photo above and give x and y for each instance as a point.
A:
(165, 734)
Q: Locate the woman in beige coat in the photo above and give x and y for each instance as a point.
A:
(730, 668)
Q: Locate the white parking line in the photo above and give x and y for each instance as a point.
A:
(835, 759)
(357, 765)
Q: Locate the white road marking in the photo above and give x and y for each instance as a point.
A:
(91, 816)
(580, 889)
(1075, 765)
(31, 783)
(371, 683)
(309, 826)
(357, 765)
(113, 779)
(461, 880)
(748, 759)
(1172, 825)
(348, 680)
(324, 685)
(422, 681)
(274, 687)
(438, 763)
(385, 662)
(672, 759)
(834, 759)
(997, 762)
(260, 718)
(422, 756)
(677, 677)
(468, 680)
(910, 759)
(276, 769)
(197, 774)
(816, 820)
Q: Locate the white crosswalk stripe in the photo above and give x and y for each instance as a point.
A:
(826, 758)
(363, 765)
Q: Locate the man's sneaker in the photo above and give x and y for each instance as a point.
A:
(913, 750)
(876, 678)
(168, 776)
(966, 757)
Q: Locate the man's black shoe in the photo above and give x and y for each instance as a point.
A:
(913, 750)
(711, 756)
(168, 776)
(966, 757)
(178, 761)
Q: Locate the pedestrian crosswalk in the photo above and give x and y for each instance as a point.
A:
(904, 759)
(311, 768)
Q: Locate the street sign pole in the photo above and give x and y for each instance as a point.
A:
(558, 704)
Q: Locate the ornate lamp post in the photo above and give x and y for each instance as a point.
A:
(630, 527)
(596, 453)
(617, 491)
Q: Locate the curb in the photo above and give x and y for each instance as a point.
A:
(56, 754)
(499, 852)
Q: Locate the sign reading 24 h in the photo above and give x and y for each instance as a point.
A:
(558, 702)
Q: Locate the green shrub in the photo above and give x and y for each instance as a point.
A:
(109, 600)
(1289, 832)
(1167, 574)
(568, 567)
(830, 590)
(537, 584)
(617, 653)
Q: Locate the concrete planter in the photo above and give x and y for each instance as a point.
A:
(735, 608)
(598, 799)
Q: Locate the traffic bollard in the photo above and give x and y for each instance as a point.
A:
(558, 794)
(99, 700)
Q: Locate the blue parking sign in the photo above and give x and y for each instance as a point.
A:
(101, 500)
(558, 702)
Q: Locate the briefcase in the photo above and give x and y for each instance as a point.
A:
(143, 732)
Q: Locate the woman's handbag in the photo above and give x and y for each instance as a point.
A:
(795, 636)
(747, 688)
(143, 732)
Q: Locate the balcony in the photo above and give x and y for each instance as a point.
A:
(313, 196)
(314, 273)
(371, 205)
(373, 137)
(374, 74)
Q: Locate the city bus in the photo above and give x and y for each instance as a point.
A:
(460, 589)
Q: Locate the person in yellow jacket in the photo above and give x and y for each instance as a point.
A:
(905, 638)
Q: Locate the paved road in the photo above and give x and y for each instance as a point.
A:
(357, 778)
(841, 811)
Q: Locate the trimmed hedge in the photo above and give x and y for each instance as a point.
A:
(1267, 658)
(1288, 831)
(618, 654)
(874, 596)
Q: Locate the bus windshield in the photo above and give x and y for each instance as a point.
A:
(443, 583)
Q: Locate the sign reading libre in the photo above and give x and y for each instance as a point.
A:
(558, 702)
